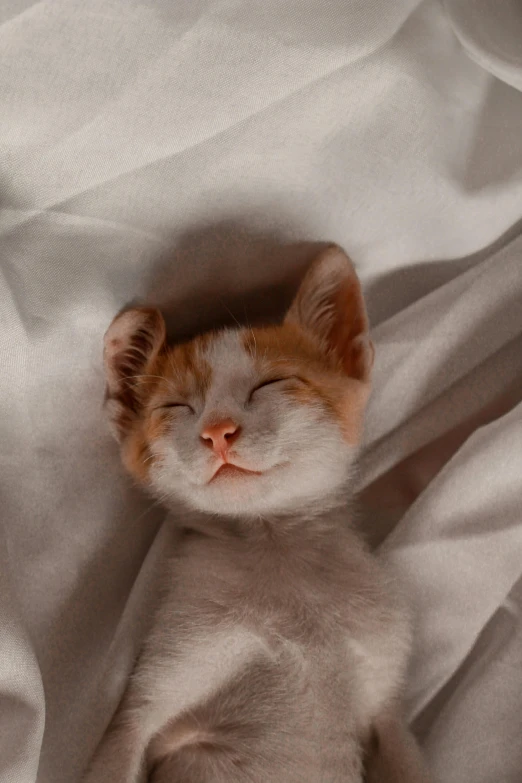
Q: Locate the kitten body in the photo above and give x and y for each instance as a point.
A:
(280, 645)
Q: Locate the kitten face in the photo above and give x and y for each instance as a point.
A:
(246, 421)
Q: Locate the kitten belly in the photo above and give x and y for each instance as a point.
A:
(288, 718)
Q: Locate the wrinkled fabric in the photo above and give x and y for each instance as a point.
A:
(190, 154)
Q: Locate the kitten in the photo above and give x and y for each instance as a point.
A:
(279, 648)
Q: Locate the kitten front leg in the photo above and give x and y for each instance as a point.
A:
(393, 754)
(119, 757)
(170, 680)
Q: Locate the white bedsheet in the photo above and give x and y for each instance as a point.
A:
(187, 152)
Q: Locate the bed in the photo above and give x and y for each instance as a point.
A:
(192, 154)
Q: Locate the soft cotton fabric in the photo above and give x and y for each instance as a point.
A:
(189, 154)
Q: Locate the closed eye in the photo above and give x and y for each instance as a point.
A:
(170, 405)
(271, 382)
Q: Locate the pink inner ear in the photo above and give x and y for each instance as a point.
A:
(330, 306)
(133, 339)
(348, 336)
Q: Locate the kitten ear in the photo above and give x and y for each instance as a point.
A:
(132, 343)
(330, 306)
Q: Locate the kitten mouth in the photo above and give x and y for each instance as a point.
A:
(228, 470)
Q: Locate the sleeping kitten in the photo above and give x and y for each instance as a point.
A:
(279, 648)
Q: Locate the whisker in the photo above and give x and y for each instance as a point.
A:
(229, 311)
(129, 382)
(133, 377)
(253, 353)
(146, 511)
(255, 342)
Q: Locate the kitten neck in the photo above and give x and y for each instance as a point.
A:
(319, 519)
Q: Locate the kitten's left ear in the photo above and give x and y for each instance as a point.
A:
(329, 305)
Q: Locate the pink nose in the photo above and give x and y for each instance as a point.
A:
(220, 436)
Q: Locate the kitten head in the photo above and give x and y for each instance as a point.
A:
(246, 421)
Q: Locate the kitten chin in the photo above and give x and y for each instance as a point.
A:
(279, 647)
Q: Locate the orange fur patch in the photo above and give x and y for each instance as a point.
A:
(135, 455)
(288, 350)
(178, 372)
(185, 369)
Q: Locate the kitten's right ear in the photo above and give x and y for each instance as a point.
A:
(330, 306)
(132, 344)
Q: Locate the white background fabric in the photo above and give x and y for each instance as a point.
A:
(188, 153)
